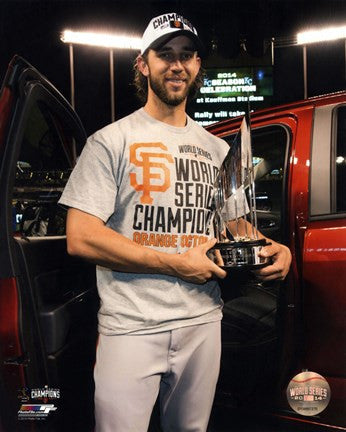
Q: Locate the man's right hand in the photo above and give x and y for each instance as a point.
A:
(194, 265)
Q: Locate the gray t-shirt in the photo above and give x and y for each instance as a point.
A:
(153, 183)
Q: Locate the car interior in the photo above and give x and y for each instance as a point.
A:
(58, 292)
(251, 326)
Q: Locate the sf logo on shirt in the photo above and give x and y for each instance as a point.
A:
(155, 175)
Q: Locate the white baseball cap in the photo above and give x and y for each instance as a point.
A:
(164, 27)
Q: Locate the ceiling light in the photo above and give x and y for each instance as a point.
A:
(106, 40)
(324, 34)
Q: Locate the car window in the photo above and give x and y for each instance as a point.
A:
(269, 146)
(340, 161)
(46, 157)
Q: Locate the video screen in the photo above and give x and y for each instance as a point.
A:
(230, 92)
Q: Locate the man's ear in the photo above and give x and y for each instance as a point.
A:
(142, 66)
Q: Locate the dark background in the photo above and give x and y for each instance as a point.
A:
(32, 29)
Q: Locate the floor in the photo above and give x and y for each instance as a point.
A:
(225, 420)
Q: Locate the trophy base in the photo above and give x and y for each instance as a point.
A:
(242, 255)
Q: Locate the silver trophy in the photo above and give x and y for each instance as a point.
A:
(234, 200)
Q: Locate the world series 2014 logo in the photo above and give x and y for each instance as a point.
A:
(308, 393)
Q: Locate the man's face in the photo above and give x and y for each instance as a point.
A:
(172, 70)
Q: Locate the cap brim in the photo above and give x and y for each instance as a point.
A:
(158, 43)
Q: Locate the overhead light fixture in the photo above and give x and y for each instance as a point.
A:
(322, 35)
(106, 40)
(102, 40)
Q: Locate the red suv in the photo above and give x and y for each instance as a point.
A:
(271, 332)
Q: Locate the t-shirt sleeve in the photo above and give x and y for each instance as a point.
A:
(92, 184)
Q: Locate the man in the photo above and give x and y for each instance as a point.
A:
(139, 202)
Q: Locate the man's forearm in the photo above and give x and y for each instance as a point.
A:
(90, 238)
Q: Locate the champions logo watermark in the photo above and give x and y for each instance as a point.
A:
(308, 393)
(45, 394)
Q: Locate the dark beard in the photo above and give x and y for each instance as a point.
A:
(164, 96)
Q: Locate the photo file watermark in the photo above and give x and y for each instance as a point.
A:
(37, 403)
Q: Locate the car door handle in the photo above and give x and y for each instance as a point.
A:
(22, 360)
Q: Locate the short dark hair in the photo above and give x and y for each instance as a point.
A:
(141, 82)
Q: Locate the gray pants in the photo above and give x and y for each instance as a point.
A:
(130, 371)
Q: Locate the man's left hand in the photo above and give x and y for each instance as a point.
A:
(280, 257)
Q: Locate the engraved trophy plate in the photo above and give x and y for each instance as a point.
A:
(234, 199)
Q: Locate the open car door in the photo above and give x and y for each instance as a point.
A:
(48, 300)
